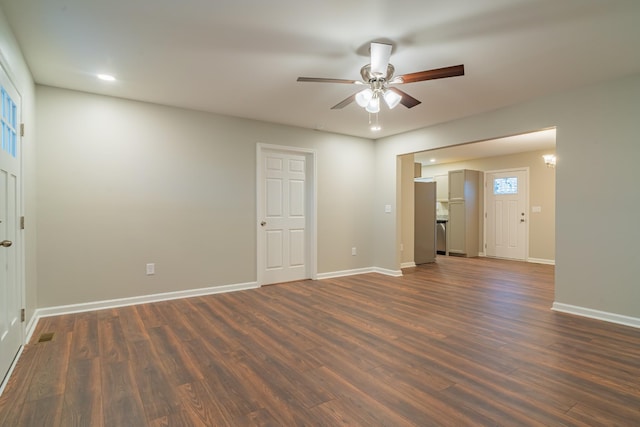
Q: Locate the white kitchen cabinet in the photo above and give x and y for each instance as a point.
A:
(463, 230)
(442, 187)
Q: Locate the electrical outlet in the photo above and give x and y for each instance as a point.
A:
(354, 252)
(151, 269)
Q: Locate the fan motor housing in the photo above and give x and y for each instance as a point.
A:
(368, 76)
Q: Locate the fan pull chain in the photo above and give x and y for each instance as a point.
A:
(374, 125)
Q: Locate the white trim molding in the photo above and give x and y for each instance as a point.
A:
(410, 264)
(596, 314)
(144, 299)
(344, 273)
(31, 327)
(355, 271)
(387, 272)
(542, 261)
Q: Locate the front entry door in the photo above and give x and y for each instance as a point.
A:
(284, 247)
(10, 289)
(506, 196)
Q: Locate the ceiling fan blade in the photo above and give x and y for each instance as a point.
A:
(344, 103)
(438, 73)
(323, 80)
(380, 54)
(407, 100)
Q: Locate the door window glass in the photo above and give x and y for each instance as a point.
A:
(8, 118)
(507, 185)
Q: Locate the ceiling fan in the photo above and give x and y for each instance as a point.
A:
(378, 76)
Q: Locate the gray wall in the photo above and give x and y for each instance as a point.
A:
(597, 198)
(125, 183)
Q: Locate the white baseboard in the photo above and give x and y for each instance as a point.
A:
(122, 302)
(31, 327)
(597, 314)
(529, 259)
(387, 272)
(407, 265)
(344, 273)
(542, 261)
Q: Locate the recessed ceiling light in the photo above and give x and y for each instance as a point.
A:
(376, 128)
(432, 160)
(106, 77)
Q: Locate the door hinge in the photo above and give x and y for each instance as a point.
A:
(23, 315)
(21, 129)
(21, 223)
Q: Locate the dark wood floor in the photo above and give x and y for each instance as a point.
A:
(464, 342)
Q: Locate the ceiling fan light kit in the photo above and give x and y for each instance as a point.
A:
(392, 99)
(363, 97)
(378, 75)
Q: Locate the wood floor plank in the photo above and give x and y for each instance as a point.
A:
(85, 343)
(45, 411)
(132, 325)
(202, 406)
(462, 342)
(157, 394)
(121, 400)
(49, 378)
(113, 346)
(82, 405)
(17, 387)
(177, 364)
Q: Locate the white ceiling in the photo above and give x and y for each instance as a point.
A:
(242, 57)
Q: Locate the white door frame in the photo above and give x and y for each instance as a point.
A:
(311, 205)
(487, 188)
(20, 240)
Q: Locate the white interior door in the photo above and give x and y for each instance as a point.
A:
(506, 214)
(10, 289)
(284, 244)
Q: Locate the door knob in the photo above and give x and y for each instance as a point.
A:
(263, 223)
(522, 220)
(6, 243)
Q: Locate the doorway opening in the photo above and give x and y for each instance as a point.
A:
(518, 152)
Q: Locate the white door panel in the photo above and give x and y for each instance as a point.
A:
(283, 253)
(274, 249)
(11, 331)
(297, 248)
(506, 220)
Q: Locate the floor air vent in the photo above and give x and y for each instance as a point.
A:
(46, 337)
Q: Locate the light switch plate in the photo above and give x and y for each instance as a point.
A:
(387, 208)
(536, 209)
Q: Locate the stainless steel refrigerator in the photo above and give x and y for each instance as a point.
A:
(425, 222)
